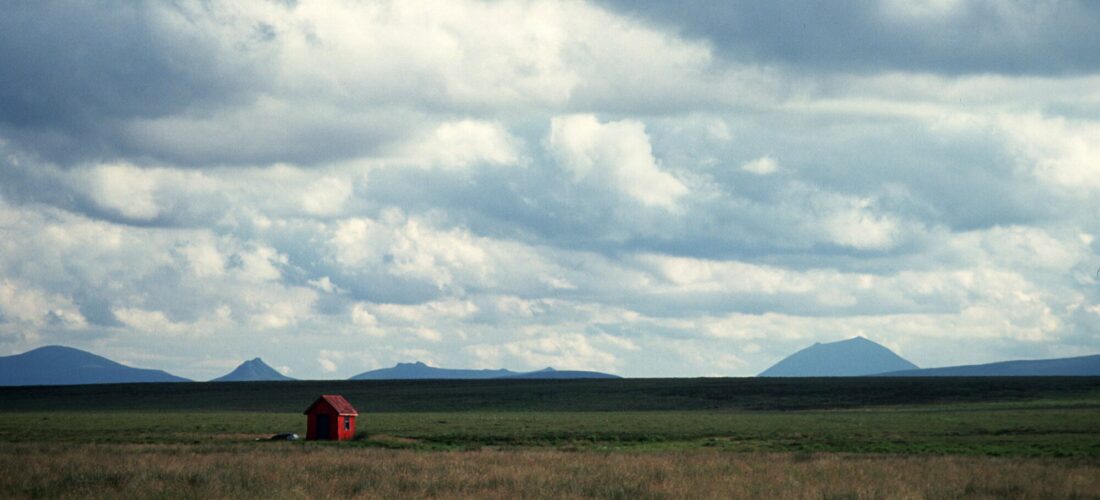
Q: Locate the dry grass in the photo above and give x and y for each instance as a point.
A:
(285, 470)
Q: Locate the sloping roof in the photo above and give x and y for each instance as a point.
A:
(337, 402)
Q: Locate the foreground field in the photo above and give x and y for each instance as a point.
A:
(1014, 438)
(1040, 429)
(283, 470)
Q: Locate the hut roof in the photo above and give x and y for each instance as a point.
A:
(337, 402)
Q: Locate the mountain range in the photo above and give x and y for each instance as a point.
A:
(59, 365)
(550, 373)
(421, 371)
(862, 357)
(418, 370)
(1078, 366)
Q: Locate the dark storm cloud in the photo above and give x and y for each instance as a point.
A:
(75, 71)
(848, 35)
(187, 85)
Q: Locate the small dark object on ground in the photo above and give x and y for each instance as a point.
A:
(284, 436)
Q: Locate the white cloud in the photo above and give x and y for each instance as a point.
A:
(920, 10)
(434, 45)
(284, 310)
(204, 259)
(340, 81)
(126, 190)
(615, 153)
(154, 322)
(324, 284)
(326, 196)
(694, 275)
(464, 143)
(260, 264)
(1022, 247)
(563, 351)
(366, 322)
(327, 365)
(450, 259)
(27, 306)
(1064, 153)
(764, 165)
(359, 241)
(947, 214)
(858, 226)
(427, 313)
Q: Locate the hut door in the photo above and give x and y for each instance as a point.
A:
(322, 426)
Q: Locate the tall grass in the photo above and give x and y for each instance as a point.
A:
(1015, 449)
(283, 470)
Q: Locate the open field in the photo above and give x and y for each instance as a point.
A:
(1024, 438)
(283, 470)
(1007, 430)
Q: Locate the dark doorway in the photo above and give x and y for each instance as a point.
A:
(322, 426)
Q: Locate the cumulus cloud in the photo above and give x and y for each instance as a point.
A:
(617, 154)
(29, 307)
(126, 190)
(627, 186)
(462, 144)
(326, 196)
(855, 225)
(1062, 152)
(562, 351)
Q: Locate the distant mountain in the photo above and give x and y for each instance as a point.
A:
(58, 365)
(251, 371)
(846, 358)
(421, 371)
(550, 373)
(418, 370)
(1078, 366)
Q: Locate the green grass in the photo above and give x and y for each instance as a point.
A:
(714, 438)
(1049, 432)
(1069, 429)
(993, 416)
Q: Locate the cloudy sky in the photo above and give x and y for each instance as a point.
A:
(636, 187)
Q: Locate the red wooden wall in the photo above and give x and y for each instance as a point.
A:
(337, 430)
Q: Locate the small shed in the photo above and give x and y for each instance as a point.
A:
(330, 418)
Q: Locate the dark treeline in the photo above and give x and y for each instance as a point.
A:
(550, 395)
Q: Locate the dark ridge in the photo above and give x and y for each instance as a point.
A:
(629, 394)
(421, 371)
(59, 365)
(1081, 366)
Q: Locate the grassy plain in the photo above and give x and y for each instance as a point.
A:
(994, 430)
(284, 470)
(1023, 438)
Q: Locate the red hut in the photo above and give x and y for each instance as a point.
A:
(331, 417)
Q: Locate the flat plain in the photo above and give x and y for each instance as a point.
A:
(802, 438)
